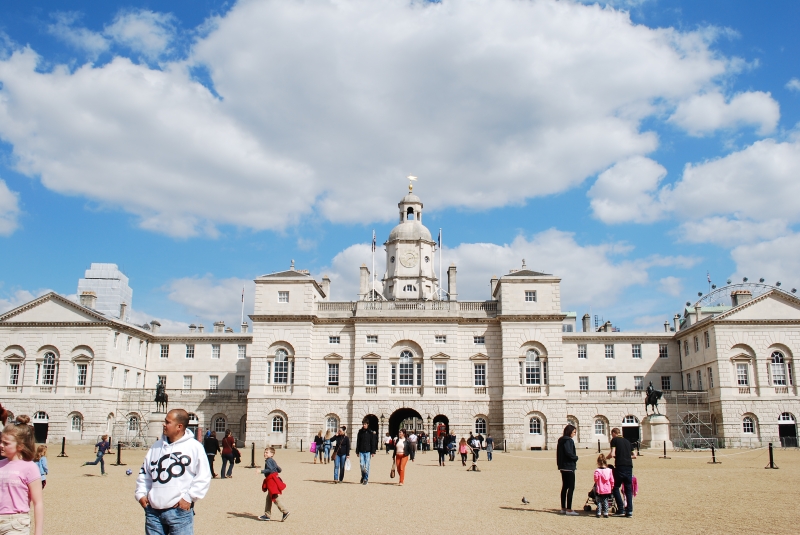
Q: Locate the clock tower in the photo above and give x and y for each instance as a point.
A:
(409, 255)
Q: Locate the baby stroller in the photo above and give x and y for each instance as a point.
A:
(592, 500)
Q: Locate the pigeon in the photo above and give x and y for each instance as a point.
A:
(524, 501)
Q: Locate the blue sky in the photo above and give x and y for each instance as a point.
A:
(629, 148)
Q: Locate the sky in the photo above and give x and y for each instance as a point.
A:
(633, 148)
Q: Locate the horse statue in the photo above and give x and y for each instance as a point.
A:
(651, 399)
(161, 397)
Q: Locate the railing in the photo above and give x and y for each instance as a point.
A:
(400, 305)
(534, 390)
(744, 389)
(440, 390)
(781, 389)
(80, 389)
(333, 390)
(630, 394)
(336, 307)
(12, 388)
(46, 389)
(371, 389)
(405, 390)
(372, 305)
(279, 388)
(480, 390)
(487, 306)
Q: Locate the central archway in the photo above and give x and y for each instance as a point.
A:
(404, 418)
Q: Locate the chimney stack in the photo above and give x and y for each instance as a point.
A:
(192, 327)
(364, 285)
(587, 323)
(200, 328)
(451, 282)
(676, 321)
(244, 326)
(123, 308)
(219, 326)
(698, 315)
(494, 282)
(666, 326)
(326, 287)
(154, 325)
(88, 299)
(739, 297)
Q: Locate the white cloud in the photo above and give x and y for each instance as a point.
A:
(703, 114)
(140, 317)
(143, 31)
(775, 260)
(626, 192)
(9, 210)
(345, 271)
(209, 299)
(671, 286)
(729, 232)
(81, 38)
(312, 120)
(18, 298)
(793, 84)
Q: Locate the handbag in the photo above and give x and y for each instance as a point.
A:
(237, 457)
(313, 447)
(347, 465)
(394, 470)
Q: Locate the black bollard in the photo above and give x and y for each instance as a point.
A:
(505, 446)
(253, 456)
(771, 464)
(301, 444)
(665, 451)
(119, 456)
(63, 446)
(714, 456)
(598, 445)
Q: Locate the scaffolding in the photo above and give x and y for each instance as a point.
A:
(693, 427)
(131, 425)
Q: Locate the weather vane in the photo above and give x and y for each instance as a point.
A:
(410, 185)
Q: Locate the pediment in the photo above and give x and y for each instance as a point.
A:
(332, 356)
(52, 308)
(478, 356)
(440, 356)
(769, 306)
(371, 356)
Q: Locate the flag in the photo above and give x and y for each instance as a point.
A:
(439, 239)
(708, 276)
(373, 241)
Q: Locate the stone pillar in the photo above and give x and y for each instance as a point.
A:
(587, 323)
(364, 284)
(451, 282)
(655, 432)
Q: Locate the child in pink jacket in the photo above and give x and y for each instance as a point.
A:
(603, 485)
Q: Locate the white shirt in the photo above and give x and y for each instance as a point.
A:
(400, 446)
(413, 438)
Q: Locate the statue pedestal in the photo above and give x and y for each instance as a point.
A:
(655, 431)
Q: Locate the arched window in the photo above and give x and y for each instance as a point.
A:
(748, 425)
(778, 365)
(599, 426)
(629, 420)
(406, 368)
(786, 417)
(220, 424)
(480, 426)
(133, 423)
(410, 214)
(76, 423)
(277, 424)
(281, 366)
(535, 427)
(49, 369)
(40, 416)
(332, 424)
(535, 368)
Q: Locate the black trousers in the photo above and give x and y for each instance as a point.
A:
(567, 488)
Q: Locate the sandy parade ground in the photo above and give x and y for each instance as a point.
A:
(681, 494)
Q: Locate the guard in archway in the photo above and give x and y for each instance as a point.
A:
(366, 446)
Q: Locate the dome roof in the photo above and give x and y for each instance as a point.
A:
(411, 198)
(410, 230)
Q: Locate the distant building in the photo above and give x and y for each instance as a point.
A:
(110, 286)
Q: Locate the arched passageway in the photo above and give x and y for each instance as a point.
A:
(441, 424)
(405, 418)
(373, 423)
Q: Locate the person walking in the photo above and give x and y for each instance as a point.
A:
(452, 441)
(387, 442)
(274, 484)
(41, 462)
(326, 446)
(441, 448)
(100, 449)
(567, 460)
(174, 475)
(366, 445)
(211, 445)
(413, 438)
(475, 446)
(318, 442)
(341, 454)
(489, 447)
(463, 448)
(21, 482)
(228, 445)
(603, 484)
(623, 453)
(402, 452)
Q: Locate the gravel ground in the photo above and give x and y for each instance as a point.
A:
(681, 494)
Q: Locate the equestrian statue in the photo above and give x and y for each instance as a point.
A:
(161, 397)
(651, 398)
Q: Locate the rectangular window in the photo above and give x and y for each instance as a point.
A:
(282, 370)
(116, 339)
(710, 378)
(566, 328)
(707, 339)
(240, 382)
(372, 338)
(778, 374)
(742, 374)
(666, 382)
(662, 351)
(699, 380)
(581, 351)
(189, 351)
(611, 382)
(187, 382)
(638, 382)
(686, 347)
(372, 375)
(213, 382)
(696, 344)
(138, 379)
(609, 351)
(283, 297)
(441, 339)
(479, 340)
(82, 370)
(269, 372)
(394, 375)
(334, 339)
(333, 374)
(480, 375)
(530, 296)
(128, 344)
(125, 378)
(583, 382)
(113, 373)
(215, 351)
(441, 374)
(241, 351)
(419, 374)
(636, 351)
(13, 374)
(406, 373)
(688, 381)
(164, 351)
(599, 427)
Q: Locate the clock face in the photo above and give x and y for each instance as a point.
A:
(409, 259)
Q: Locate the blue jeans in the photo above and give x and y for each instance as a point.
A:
(363, 459)
(227, 459)
(338, 467)
(99, 460)
(624, 476)
(173, 521)
(489, 455)
(327, 451)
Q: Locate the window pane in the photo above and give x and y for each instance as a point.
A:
(480, 375)
(662, 351)
(333, 374)
(636, 351)
(609, 351)
(611, 383)
(215, 351)
(441, 374)
(666, 382)
(372, 374)
(583, 382)
(742, 377)
(582, 351)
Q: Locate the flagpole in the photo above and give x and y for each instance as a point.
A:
(440, 264)
(372, 296)
(242, 306)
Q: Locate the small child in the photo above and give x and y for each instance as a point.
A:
(21, 480)
(603, 485)
(41, 461)
(274, 484)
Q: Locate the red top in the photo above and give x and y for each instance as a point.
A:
(227, 445)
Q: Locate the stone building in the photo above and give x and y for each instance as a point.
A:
(410, 353)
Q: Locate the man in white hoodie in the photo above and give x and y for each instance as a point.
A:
(174, 475)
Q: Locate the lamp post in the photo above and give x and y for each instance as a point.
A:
(430, 426)
(383, 419)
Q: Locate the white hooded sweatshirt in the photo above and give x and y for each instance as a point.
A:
(174, 471)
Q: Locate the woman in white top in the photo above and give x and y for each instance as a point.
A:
(402, 451)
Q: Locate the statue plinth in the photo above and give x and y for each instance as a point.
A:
(655, 431)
